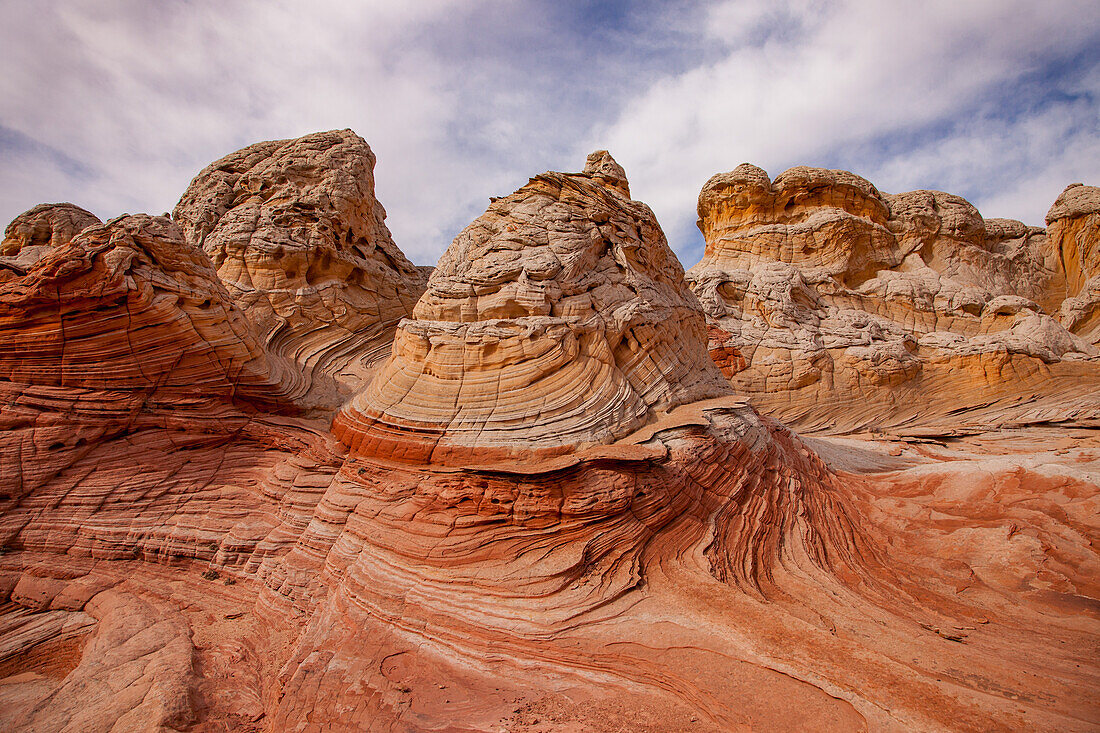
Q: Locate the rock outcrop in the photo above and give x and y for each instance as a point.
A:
(559, 318)
(124, 327)
(139, 414)
(553, 407)
(838, 307)
(596, 533)
(1074, 226)
(127, 306)
(300, 240)
(33, 233)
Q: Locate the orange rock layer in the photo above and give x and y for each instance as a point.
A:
(849, 309)
(188, 545)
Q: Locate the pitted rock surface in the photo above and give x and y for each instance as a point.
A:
(297, 235)
(837, 307)
(560, 317)
(33, 233)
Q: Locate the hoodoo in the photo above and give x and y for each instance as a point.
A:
(298, 237)
(559, 318)
(548, 424)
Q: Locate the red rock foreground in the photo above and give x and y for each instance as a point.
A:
(546, 509)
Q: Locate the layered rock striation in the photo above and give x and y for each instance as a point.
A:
(894, 311)
(559, 318)
(127, 306)
(550, 510)
(297, 235)
(139, 417)
(1073, 224)
(549, 423)
(125, 327)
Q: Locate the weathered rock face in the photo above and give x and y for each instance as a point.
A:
(34, 232)
(138, 415)
(1074, 225)
(559, 318)
(182, 552)
(838, 307)
(831, 221)
(127, 306)
(123, 328)
(553, 409)
(298, 237)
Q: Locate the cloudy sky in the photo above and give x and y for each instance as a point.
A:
(116, 104)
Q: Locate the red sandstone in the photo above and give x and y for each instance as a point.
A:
(188, 545)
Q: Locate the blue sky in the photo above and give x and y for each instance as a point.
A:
(115, 104)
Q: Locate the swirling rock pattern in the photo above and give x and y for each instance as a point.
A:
(187, 546)
(558, 318)
(840, 308)
(128, 306)
(300, 240)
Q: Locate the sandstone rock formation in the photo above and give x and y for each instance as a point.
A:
(123, 328)
(629, 546)
(34, 232)
(558, 318)
(128, 307)
(838, 307)
(138, 412)
(299, 239)
(1074, 226)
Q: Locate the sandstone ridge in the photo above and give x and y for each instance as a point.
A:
(838, 307)
(127, 306)
(559, 318)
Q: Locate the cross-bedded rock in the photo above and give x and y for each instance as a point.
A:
(123, 328)
(298, 237)
(129, 306)
(838, 307)
(177, 552)
(559, 318)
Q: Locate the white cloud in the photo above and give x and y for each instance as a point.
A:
(812, 82)
(116, 105)
(1009, 169)
(147, 94)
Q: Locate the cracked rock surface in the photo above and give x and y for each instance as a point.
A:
(560, 317)
(298, 237)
